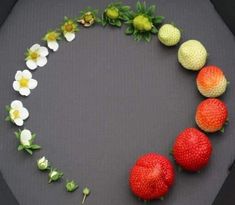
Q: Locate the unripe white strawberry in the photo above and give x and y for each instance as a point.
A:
(192, 55)
(169, 35)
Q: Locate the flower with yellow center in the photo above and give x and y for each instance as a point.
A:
(69, 28)
(18, 113)
(24, 83)
(51, 38)
(87, 19)
(36, 56)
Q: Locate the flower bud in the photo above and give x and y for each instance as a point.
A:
(71, 186)
(142, 23)
(43, 164)
(55, 175)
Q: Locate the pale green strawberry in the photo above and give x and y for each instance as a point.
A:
(169, 35)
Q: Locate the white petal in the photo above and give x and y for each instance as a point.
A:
(24, 91)
(53, 45)
(24, 113)
(16, 85)
(43, 51)
(27, 74)
(32, 65)
(18, 75)
(32, 83)
(41, 61)
(19, 121)
(25, 137)
(34, 47)
(16, 104)
(69, 36)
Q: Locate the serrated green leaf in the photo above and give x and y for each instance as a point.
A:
(118, 23)
(138, 6)
(154, 30)
(151, 10)
(147, 37)
(20, 147)
(29, 151)
(7, 118)
(35, 146)
(129, 30)
(158, 20)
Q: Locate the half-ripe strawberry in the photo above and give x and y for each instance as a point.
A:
(192, 149)
(151, 177)
(211, 81)
(211, 115)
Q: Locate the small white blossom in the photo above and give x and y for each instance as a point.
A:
(24, 83)
(43, 163)
(18, 113)
(36, 56)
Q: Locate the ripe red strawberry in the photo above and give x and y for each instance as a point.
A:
(151, 177)
(211, 81)
(211, 115)
(192, 149)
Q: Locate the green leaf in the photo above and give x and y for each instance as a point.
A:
(138, 6)
(17, 134)
(222, 130)
(118, 23)
(29, 151)
(20, 147)
(151, 10)
(147, 37)
(158, 20)
(129, 30)
(125, 8)
(7, 118)
(35, 146)
(154, 30)
(7, 108)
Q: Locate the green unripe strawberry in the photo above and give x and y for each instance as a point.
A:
(169, 35)
(192, 55)
(142, 23)
(112, 13)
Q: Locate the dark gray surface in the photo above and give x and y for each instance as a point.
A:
(104, 99)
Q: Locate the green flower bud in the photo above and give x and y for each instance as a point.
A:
(112, 13)
(86, 192)
(55, 175)
(71, 186)
(142, 23)
(43, 164)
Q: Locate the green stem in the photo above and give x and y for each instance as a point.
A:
(84, 198)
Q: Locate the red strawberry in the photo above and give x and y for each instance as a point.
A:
(211, 81)
(192, 149)
(211, 115)
(151, 177)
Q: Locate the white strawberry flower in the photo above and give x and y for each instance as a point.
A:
(18, 113)
(52, 38)
(36, 56)
(26, 137)
(69, 28)
(24, 83)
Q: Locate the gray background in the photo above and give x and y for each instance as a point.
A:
(104, 99)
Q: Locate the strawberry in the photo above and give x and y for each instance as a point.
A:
(169, 35)
(211, 81)
(192, 149)
(151, 177)
(211, 115)
(192, 55)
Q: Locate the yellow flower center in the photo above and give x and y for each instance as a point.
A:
(88, 17)
(15, 114)
(34, 55)
(24, 82)
(52, 36)
(68, 27)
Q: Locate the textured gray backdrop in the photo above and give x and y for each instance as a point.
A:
(104, 99)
